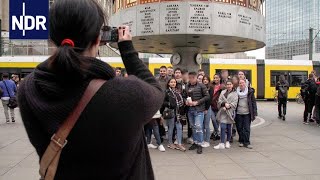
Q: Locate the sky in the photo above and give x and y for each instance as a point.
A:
(259, 53)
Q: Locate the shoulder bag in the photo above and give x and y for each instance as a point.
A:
(12, 101)
(50, 159)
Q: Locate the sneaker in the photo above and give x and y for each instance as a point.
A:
(7, 121)
(175, 142)
(306, 123)
(228, 145)
(240, 145)
(311, 120)
(190, 141)
(205, 144)
(193, 147)
(181, 147)
(151, 146)
(248, 146)
(279, 117)
(161, 148)
(199, 149)
(219, 146)
(283, 118)
(172, 146)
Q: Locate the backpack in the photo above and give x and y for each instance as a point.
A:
(304, 90)
(312, 88)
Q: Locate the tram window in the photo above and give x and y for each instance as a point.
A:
(232, 73)
(297, 77)
(156, 72)
(275, 77)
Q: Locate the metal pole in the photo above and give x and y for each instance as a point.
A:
(310, 43)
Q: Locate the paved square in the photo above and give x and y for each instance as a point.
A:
(282, 151)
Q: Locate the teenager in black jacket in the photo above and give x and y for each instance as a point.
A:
(107, 142)
(282, 87)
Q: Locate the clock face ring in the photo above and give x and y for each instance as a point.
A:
(175, 59)
(198, 58)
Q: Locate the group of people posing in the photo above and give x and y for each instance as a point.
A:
(192, 100)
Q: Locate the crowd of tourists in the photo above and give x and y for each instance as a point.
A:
(194, 101)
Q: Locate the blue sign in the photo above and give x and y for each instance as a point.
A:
(29, 19)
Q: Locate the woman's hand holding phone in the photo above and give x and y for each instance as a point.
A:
(124, 34)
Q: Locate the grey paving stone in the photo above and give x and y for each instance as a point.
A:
(266, 169)
(224, 171)
(190, 172)
(247, 157)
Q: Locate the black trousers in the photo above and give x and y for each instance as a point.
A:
(308, 106)
(243, 123)
(162, 130)
(282, 104)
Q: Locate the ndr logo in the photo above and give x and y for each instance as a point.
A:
(29, 19)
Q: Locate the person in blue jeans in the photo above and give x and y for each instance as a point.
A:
(173, 101)
(227, 104)
(153, 126)
(207, 114)
(9, 89)
(197, 96)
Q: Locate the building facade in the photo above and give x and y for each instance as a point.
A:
(37, 47)
(287, 27)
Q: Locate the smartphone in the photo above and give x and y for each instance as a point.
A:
(108, 35)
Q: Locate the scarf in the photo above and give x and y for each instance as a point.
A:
(242, 94)
(52, 97)
(180, 104)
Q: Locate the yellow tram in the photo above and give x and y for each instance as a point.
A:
(263, 74)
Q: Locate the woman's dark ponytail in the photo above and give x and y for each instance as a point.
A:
(78, 22)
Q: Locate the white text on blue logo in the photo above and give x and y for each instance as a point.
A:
(28, 22)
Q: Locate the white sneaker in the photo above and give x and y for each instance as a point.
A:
(228, 145)
(175, 142)
(161, 148)
(219, 146)
(151, 146)
(190, 141)
(205, 144)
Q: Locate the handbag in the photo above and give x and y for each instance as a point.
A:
(50, 159)
(12, 101)
(168, 113)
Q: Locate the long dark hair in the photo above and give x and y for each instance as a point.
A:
(208, 78)
(168, 86)
(219, 75)
(80, 21)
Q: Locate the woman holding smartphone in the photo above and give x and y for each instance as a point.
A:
(107, 141)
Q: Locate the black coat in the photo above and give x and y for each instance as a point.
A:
(198, 92)
(252, 103)
(208, 102)
(107, 142)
